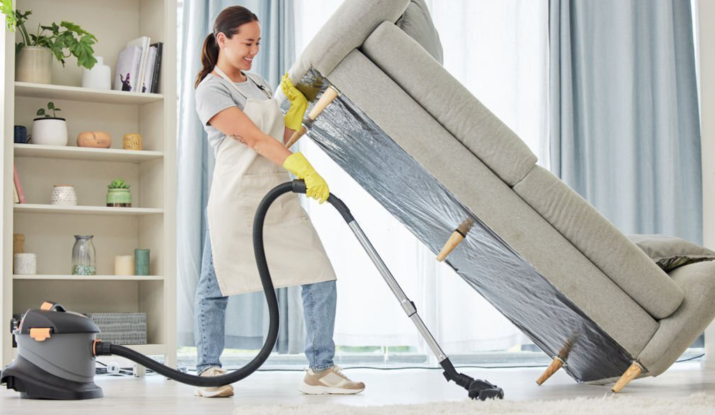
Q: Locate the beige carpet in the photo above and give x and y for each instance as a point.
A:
(698, 404)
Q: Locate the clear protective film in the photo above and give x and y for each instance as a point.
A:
(483, 259)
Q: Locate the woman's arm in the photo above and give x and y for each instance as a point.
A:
(235, 124)
(287, 135)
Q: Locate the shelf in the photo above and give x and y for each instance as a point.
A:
(89, 210)
(83, 153)
(73, 93)
(89, 277)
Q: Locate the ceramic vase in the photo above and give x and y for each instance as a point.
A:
(99, 77)
(63, 196)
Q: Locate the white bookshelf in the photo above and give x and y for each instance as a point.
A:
(49, 230)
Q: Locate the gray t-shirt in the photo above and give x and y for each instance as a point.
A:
(214, 95)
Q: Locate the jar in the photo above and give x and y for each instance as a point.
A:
(84, 260)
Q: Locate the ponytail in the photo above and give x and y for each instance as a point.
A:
(228, 22)
(209, 58)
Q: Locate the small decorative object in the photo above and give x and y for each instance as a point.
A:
(84, 260)
(118, 194)
(123, 265)
(20, 134)
(25, 264)
(63, 195)
(34, 52)
(18, 243)
(49, 130)
(95, 139)
(132, 142)
(99, 77)
(141, 262)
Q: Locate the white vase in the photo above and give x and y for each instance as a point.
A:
(49, 131)
(63, 196)
(25, 264)
(34, 64)
(99, 77)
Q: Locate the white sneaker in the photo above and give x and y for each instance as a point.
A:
(214, 392)
(329, 381)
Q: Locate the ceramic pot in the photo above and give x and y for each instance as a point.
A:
(34, 64)
(49, 131)
(25, 264)
(119, 198)
(99, 77)
(94, 139)
(63, 196)
(132, 142)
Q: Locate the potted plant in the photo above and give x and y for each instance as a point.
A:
(47, 129)
(118, 194)
(34, 53)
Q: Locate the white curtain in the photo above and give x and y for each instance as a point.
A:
(498, 50)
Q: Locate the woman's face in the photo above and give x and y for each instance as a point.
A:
(240, 50)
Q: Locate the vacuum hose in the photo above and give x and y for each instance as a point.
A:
(297, 186)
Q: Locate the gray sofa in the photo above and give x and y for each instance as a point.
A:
(433, 155)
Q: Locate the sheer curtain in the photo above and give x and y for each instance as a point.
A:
(498, 50)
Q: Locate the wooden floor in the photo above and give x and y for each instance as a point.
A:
(155, 395)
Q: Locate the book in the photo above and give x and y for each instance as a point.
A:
(18, 186)
(157, 68)
(16, 197)
(149, 73)
(127, 71)
(142, 42)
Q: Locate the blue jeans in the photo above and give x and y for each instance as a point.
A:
(319, 304)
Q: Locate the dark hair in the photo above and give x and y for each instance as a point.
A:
(228, 22)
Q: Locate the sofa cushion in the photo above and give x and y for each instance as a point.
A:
(601, 242)
(417, 23)
(449, 102)
(670, 252)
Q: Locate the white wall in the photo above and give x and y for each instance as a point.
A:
(706, 16)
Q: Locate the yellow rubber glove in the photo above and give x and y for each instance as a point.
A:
(315, 186)
(298, 104)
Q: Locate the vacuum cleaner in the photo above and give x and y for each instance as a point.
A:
(57, 348)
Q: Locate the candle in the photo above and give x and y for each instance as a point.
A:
(141, 262)
(124, 265)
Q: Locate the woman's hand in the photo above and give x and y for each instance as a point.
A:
(298, 104)
(315, 186)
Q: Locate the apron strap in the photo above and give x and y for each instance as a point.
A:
(248, 76)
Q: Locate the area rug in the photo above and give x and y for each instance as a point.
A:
(697, 404)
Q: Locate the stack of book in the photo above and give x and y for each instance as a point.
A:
(139, 66)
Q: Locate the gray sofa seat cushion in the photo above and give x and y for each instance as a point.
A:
(495, 203)
(670, 252)
(679, 331)
(601, 242)
(417, 23)
(346, 30)
(449, 102)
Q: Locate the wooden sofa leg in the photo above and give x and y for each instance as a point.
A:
(457, 237)
(328, 96)
(554, 367)
(633, 372)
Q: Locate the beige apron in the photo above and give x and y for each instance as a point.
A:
(241, 179)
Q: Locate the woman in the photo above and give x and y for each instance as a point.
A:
(247, 131)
